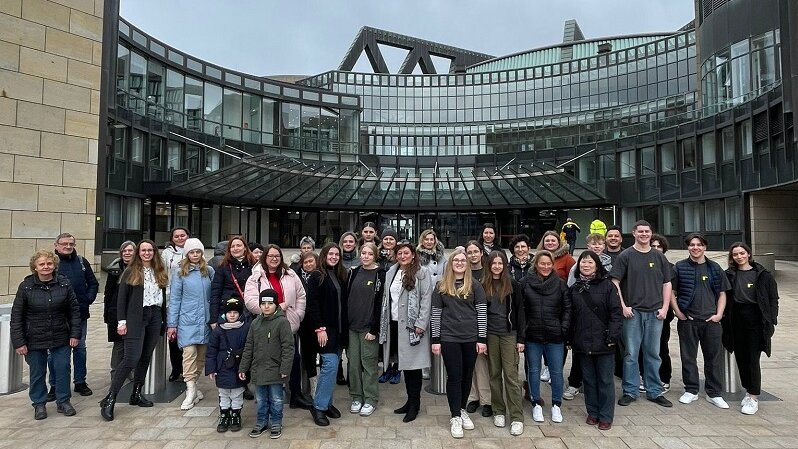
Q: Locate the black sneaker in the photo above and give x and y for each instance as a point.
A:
(661, 401)
(83, 389)
(626, 400)
(472, 406)
(51, 395)
(39, 412)
(66, 408)
(276, 432)
(258, 430)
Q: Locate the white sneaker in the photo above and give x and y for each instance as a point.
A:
(498, 420)
(466, 420)
(688, 397)
(745, 399)
(355, 407)
(367, 410)
(642, 386)
(718, 402)
(666, 388)
(556, 414)
(537, 413)
(750, 407)
(456, 427)
(516, 428)
(545, 376)
(570, 393)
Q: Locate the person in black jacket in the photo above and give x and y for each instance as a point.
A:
(45, 321)
(489, 239)
(596, 328)
(520, 261)
(231, 277)
(752, 310)
(114, 270)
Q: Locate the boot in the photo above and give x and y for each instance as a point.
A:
(107, 407)
(414, 405)
(403, 409)
(224, 420)
(136, 398)
(235, 420)
(191, 396)
(298, 400)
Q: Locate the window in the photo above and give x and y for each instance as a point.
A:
(212, 109)
(193, 103)
(692, 217)
(251, 118)
(155, 158)
(733, 214)
(628, 217)
(708, 148)
(232, 114)
(627, 159)
(113, 212)
(713, 215)
(727, 140)
(289, 124)
(270, 124)
(137, 82)
(133, 214)
(670, 219)
(668, 156)
(137, 147)
(648, 162)
(688, 153)
(122, 73)
(174, 159)
(173, 98)
(746, 138)
(120, 143)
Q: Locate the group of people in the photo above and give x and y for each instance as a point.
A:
(250, 318)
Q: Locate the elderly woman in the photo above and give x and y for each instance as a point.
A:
(114, 270)
(45, 320)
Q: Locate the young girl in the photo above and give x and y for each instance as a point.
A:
(480, 381)
(222, 361)
(459, 327)
(364, 304)
(188, 315)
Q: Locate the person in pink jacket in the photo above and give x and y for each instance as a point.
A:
(272, 273)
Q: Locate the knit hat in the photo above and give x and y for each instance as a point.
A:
(192, 244)
(268, 296)
(233, 304)
(389, 232)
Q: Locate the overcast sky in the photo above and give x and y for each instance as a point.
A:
(306, 37)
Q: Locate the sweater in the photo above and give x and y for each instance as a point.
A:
(457, 319)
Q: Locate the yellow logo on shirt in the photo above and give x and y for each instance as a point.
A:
(704, 277)
(750, 285)
(370, 283)
(651, 265)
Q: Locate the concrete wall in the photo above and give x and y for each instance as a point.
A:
(50, 57)
(774, 219)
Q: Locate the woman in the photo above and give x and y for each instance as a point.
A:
(563, 261)
(45, 322)
(519, 262)
(596, 327)
(430, 254)
(488, 239)
(141, 320)
(480, 381)
(172, 254)
(548, 320)
(188, 315)
(348, 245)
(256, 249)
(387, 255)
(114, 270)
(459, 327)
(476, 259)
(231, 277)
(404, 319)
(505, 342)
(327, 317)
(368, 234)
(751, 322)
(273, 273)
(364, 302)
(306, 245)
(310, 275)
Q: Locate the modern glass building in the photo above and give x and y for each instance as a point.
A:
(692, 130)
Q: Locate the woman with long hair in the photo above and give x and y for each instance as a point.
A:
(596, 327)
(141, 320)
(348, 245)
(563, 261)
(188, 316)
(489, 239)
(430, 254)
(752, 310)
(476, 259)
(404, 320)
(506, 323)
(126, 251)
(173, 252)
(479, 394)
(326, 315)
(458, 327)
(548, 320)
(231, 277)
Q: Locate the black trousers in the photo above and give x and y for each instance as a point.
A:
(575, 377)
(138, 350)
(749, 339)
(599, 386)
(413, 381)
(708, 335)
(459, 359)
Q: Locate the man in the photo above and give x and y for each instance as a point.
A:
(78, 270)
(700, 286)
(614, 240)
(570, 229)
(643, 278)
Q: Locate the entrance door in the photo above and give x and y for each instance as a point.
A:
(404, 225)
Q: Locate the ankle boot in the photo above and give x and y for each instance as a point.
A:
(107, 407)
(414, 405)
(191, 396)
(298, 400)
(235, 420)
(403, 409)
(224, 420)
(136, 398)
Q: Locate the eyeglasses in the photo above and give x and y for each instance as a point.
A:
(273, 256)
(67, 244)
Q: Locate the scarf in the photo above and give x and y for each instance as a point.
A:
(413, 310)
(228, 325)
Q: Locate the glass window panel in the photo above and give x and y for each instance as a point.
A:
(133, 214)
(122, 73)
(713, 215)
(213, 72)
(212, 109)
(252, 118)
(174, 157)
(174, 97)
(688, 153)
(628, 217)
(193, 104)
(708, 148)
(137, 147)
(692, 217)
(155, 82)
(137, 82)
(232, 114)
(290, 125)
(733, 214)
(310, 127)
(727, 139)
(668, 156)
(113, 212)
(627, 164)
(670, 219)
(349, 126)
(648, 161)
(746, 138)
(270, 124)
(155, 159)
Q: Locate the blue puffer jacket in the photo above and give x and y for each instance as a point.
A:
(78, 270)
(189, 307)
(223, 340)
(686, 279)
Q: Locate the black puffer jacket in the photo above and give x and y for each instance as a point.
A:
(594, 303)
(114, 271)
(224, 288)
(547, 308)
(45, 315)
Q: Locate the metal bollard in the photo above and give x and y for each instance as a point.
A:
(10, 361)
(156, 380)
(437, 376)
(731, 378)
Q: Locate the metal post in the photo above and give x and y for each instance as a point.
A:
(731, 379)
(437, 376)
(10, 361)
(156, 379)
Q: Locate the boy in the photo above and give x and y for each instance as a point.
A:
(221, 364)
(269, 340)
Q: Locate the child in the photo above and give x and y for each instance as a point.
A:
(222, 361)
(268, 355)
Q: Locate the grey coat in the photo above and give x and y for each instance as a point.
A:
(410, 357)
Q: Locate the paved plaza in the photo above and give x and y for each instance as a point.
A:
(641, 425)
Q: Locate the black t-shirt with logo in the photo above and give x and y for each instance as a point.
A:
(745, 288)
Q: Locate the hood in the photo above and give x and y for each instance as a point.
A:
(220, 248)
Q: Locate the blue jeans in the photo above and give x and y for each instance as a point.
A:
(326, 382)
(78, 357)
(554, 353)
(270, 404)
(642, 331)
(59, 372)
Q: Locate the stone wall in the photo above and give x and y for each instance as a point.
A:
(774, 219)
(50, 58)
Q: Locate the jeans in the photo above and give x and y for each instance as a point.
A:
(362, 368)
(58, 359)
(598, 385)
(270, 404)
(708, 335)
(554, 353)
(78, 357)
(459, 359)
(641, 331)
(326, 382)
(138, 351)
